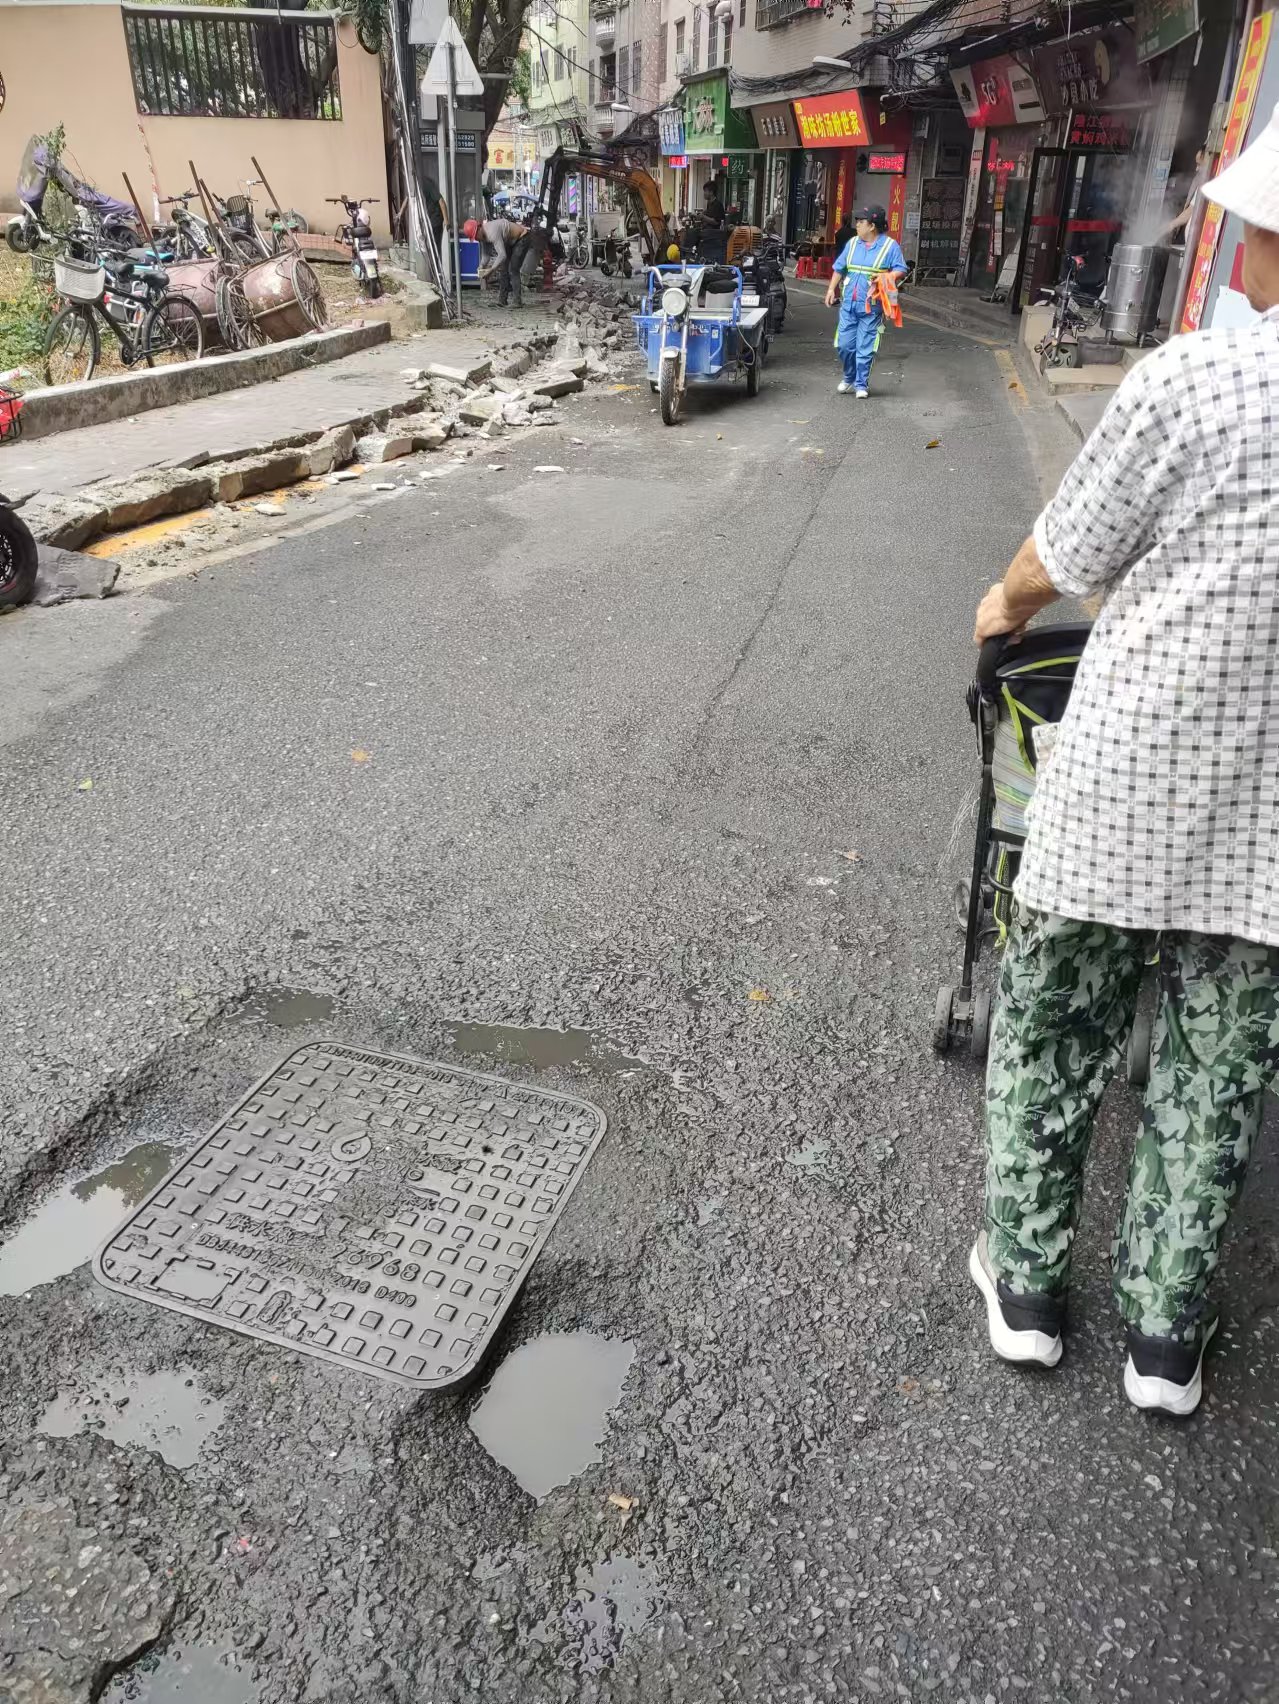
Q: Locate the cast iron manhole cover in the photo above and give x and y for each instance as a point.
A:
(376, 1211)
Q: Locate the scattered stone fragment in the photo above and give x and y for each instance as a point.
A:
(345, 474)
(539, 404)
(65, 521)
(479, 410)
(384, 485)
(268, 508)
(147, 496)
(379, 447)
(461, 371)
(333, 449)
(234, 480)
(549, 468)
(62, 575)
(558, 384)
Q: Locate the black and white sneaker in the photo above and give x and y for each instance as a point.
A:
(1025, 1329)
(1163, 1375)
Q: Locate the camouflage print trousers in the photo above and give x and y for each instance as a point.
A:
(1066, 1000)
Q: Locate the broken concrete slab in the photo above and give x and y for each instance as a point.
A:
(513, 365)
(148, 496)
(557, 384)
(429, 432)
(63, 575)
(479, 410)
(461, 370)
(538, 404)
(379, 447)
(65, 520)
(334, 449)
(233, 480)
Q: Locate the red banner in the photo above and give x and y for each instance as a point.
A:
(832, 121)
(1241, 110)
(897, 207)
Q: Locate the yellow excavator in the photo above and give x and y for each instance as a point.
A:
(644, 215)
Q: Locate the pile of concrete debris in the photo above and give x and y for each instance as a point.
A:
(516, 386)
(598, 316)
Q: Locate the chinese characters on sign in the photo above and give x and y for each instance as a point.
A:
(886, 162)
(1162, 24)
(941, 216)
(1241, 109)
(831, 121)
(670, 130)
(1100, 130)
(775, 125)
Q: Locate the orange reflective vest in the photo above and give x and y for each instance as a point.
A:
(884, 291)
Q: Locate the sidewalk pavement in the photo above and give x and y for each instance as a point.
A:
(307, 402)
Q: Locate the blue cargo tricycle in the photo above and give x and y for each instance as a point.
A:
(694, 327)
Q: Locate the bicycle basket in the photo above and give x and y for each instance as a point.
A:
(10, 414)
(237, 205)
(78, 280)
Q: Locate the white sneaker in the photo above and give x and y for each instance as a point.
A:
(1015, 1322)
(863, 393)
(843, 387)
(1166, 1376)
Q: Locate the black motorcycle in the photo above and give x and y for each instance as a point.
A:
(763, 277)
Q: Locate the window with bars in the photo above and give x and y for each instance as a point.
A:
(623, 71)
(697, 41)
(728, 40)
(741, 14)
(636, 64)
(679, 35)
(712, 45)
(187, 65)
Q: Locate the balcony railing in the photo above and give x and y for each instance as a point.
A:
(770, 13)
(605, 28)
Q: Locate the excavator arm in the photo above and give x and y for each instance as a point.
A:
(642, 193)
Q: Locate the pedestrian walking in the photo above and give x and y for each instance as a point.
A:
(871, 253)
(1154, 827)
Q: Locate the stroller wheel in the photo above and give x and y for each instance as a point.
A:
(1139, 1040)
(979, 1039)
(942, 1015)
(962, 890)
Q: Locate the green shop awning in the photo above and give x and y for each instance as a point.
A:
(711, 124)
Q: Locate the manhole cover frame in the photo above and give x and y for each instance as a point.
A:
(235, 1253)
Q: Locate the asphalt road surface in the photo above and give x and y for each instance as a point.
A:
(618, 750)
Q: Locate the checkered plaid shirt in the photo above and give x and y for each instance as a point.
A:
(1159, 807)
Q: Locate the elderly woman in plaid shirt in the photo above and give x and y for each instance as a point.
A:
(1155, 824)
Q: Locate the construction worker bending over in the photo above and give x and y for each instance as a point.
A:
(864, 282)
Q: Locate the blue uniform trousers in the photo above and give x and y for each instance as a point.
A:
(857, 342)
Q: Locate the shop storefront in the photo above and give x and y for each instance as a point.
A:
(776, 134)
(714, 132)
(850, 155)
(1056, 129)
(674, 167)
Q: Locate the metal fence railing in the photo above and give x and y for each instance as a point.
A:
(188, 64)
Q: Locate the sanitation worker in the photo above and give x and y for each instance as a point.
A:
(861, 315)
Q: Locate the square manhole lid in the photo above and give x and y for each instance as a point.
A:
(376, 1211)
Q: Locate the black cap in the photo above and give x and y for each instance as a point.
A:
(877, 216)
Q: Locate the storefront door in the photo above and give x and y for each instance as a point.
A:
(1074, 210)
(1044, 205)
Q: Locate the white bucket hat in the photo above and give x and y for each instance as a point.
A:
(1250, 185)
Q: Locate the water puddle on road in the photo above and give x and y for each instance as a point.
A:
(287, 1008)
(165, 1412)
(615, 1601)
(546, 1410)
(71, 1223)
(519, 1044)
(191, 1675)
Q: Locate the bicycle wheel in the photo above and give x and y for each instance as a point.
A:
(71, 346)
(310, 297)
(172, 331)
(235, 316)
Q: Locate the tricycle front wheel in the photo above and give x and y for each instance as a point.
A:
(752, 375)
(668, 392)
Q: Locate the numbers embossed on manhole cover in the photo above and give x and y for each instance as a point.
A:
(375, 1211)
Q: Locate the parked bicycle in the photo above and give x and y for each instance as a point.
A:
(357, 234)
(286, 225)
(130, 296)
(1078, 307)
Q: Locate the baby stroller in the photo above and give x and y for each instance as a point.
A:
(1016, 701)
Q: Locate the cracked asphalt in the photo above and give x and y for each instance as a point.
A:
(636, 742)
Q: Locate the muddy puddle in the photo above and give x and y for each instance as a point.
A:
(545, 1413)
(165, 1412)
(190, 1674)
(67, 1228)
(615, 1601)
(518, 1044)
(286, 1008)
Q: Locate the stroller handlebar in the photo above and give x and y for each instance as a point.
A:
(988, 660)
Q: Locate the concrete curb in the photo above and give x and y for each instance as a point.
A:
(61, 407)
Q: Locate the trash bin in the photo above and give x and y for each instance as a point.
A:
(1133, 287)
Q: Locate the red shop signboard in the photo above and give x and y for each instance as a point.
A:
(832, 121)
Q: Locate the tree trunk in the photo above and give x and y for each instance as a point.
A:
(294, 90)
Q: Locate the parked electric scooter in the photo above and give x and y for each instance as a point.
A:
(357, 233)
(17, 546)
